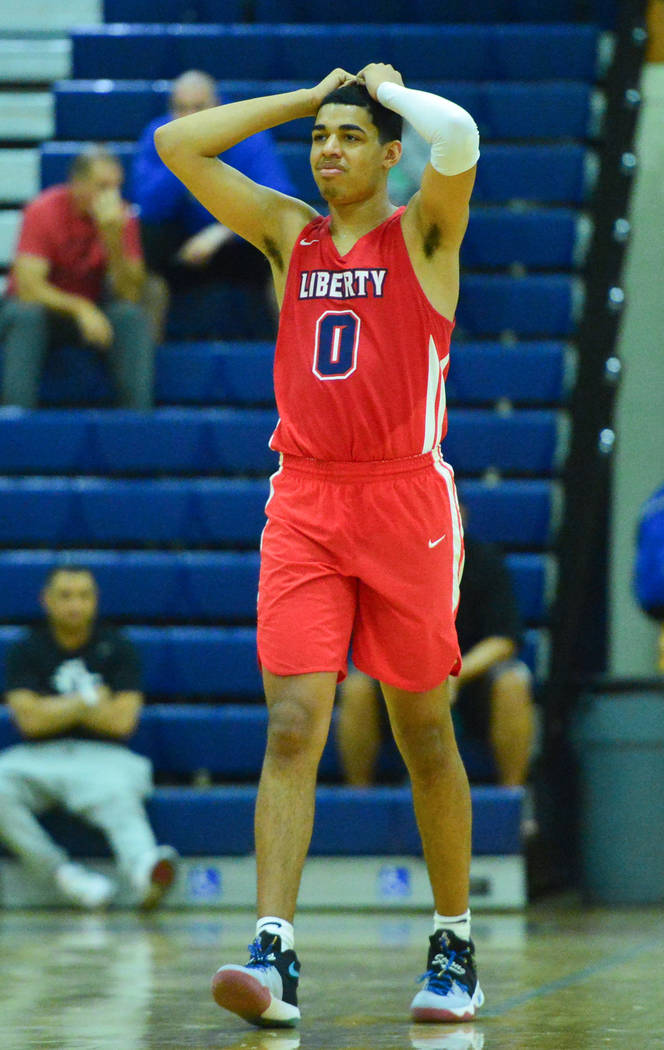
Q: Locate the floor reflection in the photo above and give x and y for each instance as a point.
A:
(557, 979)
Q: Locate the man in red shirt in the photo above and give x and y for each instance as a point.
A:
(77, 278)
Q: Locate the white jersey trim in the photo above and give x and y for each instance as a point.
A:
(433, 383)
(446, 472)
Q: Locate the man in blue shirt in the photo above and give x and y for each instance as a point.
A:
(182, 241)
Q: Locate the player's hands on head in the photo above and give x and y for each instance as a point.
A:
(373, 75)
(336, 79)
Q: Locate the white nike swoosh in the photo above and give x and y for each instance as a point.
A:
(434, 543)
(307, 243)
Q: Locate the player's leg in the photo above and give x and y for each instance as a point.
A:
(359, 728)
(264, 991)
(300, 709)
(423, 730)
(306, 610)
(511, 722)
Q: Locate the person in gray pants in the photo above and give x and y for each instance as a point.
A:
(77, 278)
(73, 688)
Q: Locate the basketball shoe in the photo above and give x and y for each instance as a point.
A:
(264, 992)
(86, 889)
(154, 875)
(451, 991)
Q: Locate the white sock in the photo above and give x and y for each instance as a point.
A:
(282, 928)
(458, 924)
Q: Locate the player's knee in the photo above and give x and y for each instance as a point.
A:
(426, 746)
(292, 730)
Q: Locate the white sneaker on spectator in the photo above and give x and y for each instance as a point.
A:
(154, 875)
(87, 889)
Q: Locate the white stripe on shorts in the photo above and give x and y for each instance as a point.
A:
(446, 472)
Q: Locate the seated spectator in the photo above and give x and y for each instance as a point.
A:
(77, 278)
(182, 241)
(73, 687)
(492, 694)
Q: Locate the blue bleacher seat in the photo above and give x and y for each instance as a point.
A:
(472, 52)
(219, 662)
(171, 442)
(522, 442)
(538, 238)
(70, 513)
(121, 109)
(222, 373)
(174, 10)
(197, 586)
(598, 11)
(346, 11)
(527, 373)
(543, 173)
(349, 821)
(540, 305)
(515, 513)
(514, 172)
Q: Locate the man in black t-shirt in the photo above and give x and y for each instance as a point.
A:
(73, 688)
(492, 694)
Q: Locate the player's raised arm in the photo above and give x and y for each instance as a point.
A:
(190, 147)
(448, 178)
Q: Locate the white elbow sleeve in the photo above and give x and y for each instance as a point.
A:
(451, 130)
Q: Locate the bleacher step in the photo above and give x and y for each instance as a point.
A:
(377, 883)
(26, 116)
(27, 60)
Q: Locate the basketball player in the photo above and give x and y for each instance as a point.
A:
(363, 540)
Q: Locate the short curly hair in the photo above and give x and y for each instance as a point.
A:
(388, 123)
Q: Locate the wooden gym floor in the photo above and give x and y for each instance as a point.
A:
(560, 976)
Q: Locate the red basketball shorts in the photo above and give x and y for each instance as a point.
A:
(362, 555)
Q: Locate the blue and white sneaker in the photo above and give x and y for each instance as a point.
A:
(264, 992)
(451, 991)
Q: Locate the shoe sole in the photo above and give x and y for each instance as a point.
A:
(242, 994)
(436, 1015)
(162, 877)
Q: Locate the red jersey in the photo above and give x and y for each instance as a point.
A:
(362, 355)
(55, 230)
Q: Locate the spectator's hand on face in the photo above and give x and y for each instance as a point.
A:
(94, 325)
(108, 211)
(200, 248)
(452, 690)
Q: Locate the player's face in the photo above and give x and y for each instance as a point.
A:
(347, 159)
(70, 600)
